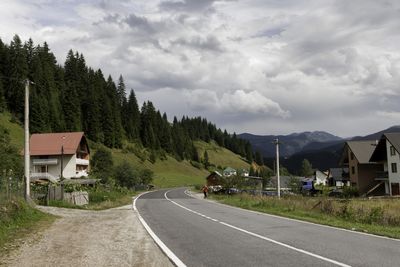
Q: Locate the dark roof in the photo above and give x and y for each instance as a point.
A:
(338, 173)
(362, 150)
(51, 143)
(380, 153)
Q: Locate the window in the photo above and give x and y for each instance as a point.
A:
(392, 151)
(394, 167)
(351, 155)
(353, 170)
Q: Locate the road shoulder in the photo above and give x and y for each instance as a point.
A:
(113, 237)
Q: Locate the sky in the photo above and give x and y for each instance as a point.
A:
(256, 66)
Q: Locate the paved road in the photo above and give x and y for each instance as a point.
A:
(203, 233)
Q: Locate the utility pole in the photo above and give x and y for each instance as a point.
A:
(277, 167)
(26, 147)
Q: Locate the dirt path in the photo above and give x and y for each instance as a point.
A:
(113, 237)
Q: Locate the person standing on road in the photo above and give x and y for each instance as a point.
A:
(205, 190)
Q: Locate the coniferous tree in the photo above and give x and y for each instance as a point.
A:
(17, 73)
(259, 159)
(70, 98)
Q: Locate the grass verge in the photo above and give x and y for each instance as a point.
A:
(17, 220)
(100, 199)
(369, 216)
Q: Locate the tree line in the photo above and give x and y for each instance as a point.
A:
(76, 97)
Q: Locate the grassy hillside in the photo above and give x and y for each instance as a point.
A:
(167, 173)
(220, 156)
(16, 130)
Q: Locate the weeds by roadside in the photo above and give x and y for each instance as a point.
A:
(18, 219)
(378, 216)
(101, 198)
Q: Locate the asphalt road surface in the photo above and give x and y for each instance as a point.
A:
(204, 233)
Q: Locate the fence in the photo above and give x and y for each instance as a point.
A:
(11, 187)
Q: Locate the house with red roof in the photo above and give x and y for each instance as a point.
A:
(59, 155)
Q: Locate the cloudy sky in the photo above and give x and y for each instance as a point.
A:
(259, 66)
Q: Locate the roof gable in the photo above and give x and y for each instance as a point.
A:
(380, 151)
(362, 150)
(51, 143)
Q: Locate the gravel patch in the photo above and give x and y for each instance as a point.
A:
(113, 237)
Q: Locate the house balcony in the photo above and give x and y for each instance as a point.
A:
(34, 176)
(45, 161)
(84, 162)
(381, 176)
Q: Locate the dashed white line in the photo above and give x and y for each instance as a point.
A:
(299, 221)
(259, 236)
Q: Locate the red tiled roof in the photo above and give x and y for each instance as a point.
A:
(51, 143)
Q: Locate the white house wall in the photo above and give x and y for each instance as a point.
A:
(69, 162)
(393, 177)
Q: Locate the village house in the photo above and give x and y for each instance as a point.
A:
(387, 154)
(339, 177)
(214, 179)
(320, 178)
(229, 172)
(362, 172)
(59, 155)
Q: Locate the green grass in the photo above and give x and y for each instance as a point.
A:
(101, 199)
(220, 156)
(16, 130)
(18, 219)
(378, 217)
(167, 173)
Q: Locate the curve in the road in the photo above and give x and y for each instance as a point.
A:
(257, 235)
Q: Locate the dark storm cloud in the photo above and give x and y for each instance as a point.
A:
(187, 5)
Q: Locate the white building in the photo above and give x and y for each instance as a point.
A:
(56, 155)
(387, 153)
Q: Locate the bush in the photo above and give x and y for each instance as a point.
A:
(350, 191)
(196, 164)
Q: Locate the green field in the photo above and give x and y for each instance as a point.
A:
(16, 130)
(167, 173)
(220, 156)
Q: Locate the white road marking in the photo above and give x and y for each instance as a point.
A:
(258, 236)
(156, 239)
(295, 220)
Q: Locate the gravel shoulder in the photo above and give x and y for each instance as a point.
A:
(113, 237)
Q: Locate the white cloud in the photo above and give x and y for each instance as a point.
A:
(292, 64)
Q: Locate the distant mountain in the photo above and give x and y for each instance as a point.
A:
(291, 144)
(323, 153)
(377, 136)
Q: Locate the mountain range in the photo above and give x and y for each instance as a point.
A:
(322, 149)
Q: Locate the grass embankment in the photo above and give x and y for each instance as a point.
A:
(167, 173)
(16, 130)
(375, 216)
(100, 199)
(18, 219)
(221, 157)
